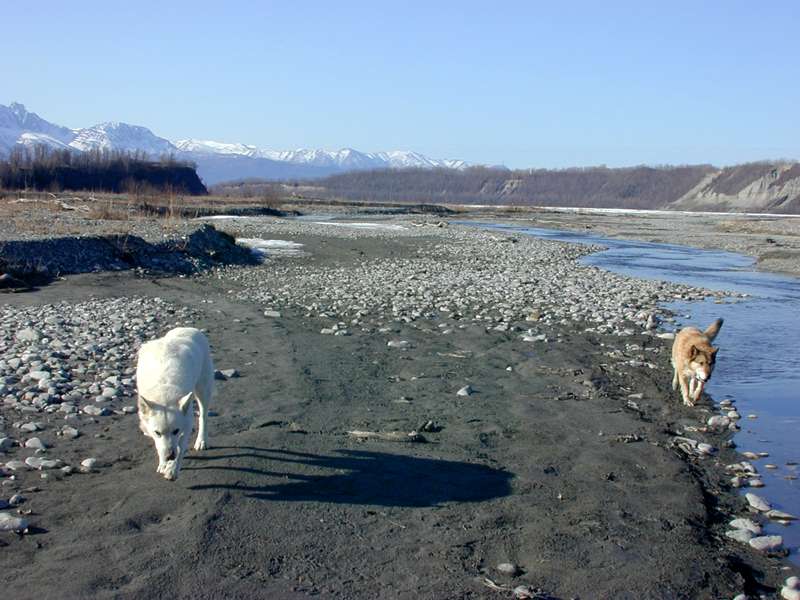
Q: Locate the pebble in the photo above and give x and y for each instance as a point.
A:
(718, 422)
(6, 444)
(229, 373)
(767, 543)
(509, 569)
(9, 522)
(779, 515)
(95, 411)
(747, 524)
(791, 589)
(272, 314)
(70, 432)
(16, 465)
(757, 502)
(39, 463)
(398, 344)
(90, 463)
(35, 443)
(28, 335)
(465, 391)
(740, 535)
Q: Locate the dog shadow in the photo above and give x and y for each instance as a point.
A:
(354, 477)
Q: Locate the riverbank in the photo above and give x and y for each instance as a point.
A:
(546, 435)
(773, 241)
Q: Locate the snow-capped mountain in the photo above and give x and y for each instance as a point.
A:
(216, 161)
(18, 126)
(121, 136)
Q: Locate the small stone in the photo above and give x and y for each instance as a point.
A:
(16, 465)
(272, 314)
(70, 432)
(398, 344)
(95, 411)
(793, 583)
(767, 543)
(788, 593)
(89, 463)
(706, 449)
(755, 483)
(230, 373)
(747, 524)
(40, 463)
(128, 410)
(779, 515)
(28, 335)
(9, 522)
(757, 502)
(718, 422)
(740, 535)
(35, 443)
(465, 391)
(6, 444)
(16, 500)
(509, 569)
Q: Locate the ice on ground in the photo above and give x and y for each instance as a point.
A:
(215, 217)
(263, 248)
(384, 226)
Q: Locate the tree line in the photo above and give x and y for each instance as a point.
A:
(47, 169)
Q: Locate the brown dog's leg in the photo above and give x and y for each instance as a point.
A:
(684, 390)
(698, 390)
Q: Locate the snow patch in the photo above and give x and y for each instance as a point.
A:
(264, 248)
(380, 226)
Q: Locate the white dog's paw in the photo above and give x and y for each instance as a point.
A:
(171, 470)
(161, 467)
(200, 444)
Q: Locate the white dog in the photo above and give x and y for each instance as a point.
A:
(169, 371)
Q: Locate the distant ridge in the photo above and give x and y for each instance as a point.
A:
(762, 187)
(216, 161)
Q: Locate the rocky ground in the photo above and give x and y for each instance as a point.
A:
(417, 412)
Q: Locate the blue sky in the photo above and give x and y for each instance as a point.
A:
(526, 84)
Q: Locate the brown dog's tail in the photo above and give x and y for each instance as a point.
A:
(713, 329)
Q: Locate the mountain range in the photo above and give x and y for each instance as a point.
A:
(216, 161)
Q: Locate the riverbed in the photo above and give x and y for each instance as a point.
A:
(759, 363)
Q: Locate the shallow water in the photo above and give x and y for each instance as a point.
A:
(759, 361)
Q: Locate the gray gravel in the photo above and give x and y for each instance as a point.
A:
(59, 363)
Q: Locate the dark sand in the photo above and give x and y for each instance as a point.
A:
(528, 470)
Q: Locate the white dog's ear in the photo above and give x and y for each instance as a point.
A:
(144, 406)
(185, 403)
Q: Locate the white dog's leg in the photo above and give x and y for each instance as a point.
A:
(203, 392)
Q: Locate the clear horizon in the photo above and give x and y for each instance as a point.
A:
(520, 85)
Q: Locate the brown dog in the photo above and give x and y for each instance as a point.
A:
(693, 359)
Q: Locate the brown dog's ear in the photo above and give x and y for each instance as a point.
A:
(185, 402)
(693, 352)
(144, 406)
